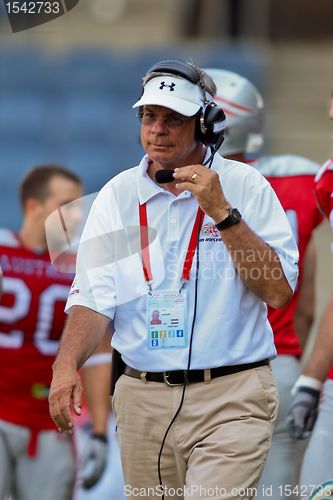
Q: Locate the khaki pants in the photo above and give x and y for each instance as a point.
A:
(215, 449)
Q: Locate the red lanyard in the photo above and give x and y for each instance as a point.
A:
(192, 246)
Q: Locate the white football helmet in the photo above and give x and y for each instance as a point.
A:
(243, 106)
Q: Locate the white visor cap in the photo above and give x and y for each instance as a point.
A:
(172, 92)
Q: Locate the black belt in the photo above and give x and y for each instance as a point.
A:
(178, 377)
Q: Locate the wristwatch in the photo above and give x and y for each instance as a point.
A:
(233, 218)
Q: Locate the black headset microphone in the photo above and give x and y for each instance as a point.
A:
(210, 124)
(164, 176)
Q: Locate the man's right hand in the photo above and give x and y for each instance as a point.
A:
(65, 395)
(302, 412)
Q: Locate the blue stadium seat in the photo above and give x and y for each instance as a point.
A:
(23, 113)
(24, 69)
(89, 114)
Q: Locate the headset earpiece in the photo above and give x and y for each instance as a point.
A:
(211, 119)
(210, 124)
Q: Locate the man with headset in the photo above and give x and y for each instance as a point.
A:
(196, 405)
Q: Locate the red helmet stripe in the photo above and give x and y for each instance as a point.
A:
(234, 104)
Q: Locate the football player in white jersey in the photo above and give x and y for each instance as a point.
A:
(317, 377)
(292, 179)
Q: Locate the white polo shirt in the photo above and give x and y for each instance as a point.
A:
(231, 324)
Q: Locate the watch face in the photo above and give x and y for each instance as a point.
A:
(235, 215)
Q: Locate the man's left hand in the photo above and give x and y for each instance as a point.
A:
(205, 185)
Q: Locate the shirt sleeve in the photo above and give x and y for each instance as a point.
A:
(266, 217)
(94, 282)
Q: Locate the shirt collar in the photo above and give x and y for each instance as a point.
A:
(147, 188)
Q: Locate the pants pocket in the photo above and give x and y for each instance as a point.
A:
(269, 390)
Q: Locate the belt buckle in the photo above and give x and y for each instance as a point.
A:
(172, 384)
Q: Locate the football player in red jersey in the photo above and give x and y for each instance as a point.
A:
(292, 178)
(317, 466)
(36, 461)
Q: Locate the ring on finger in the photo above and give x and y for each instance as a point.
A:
(193, 177)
